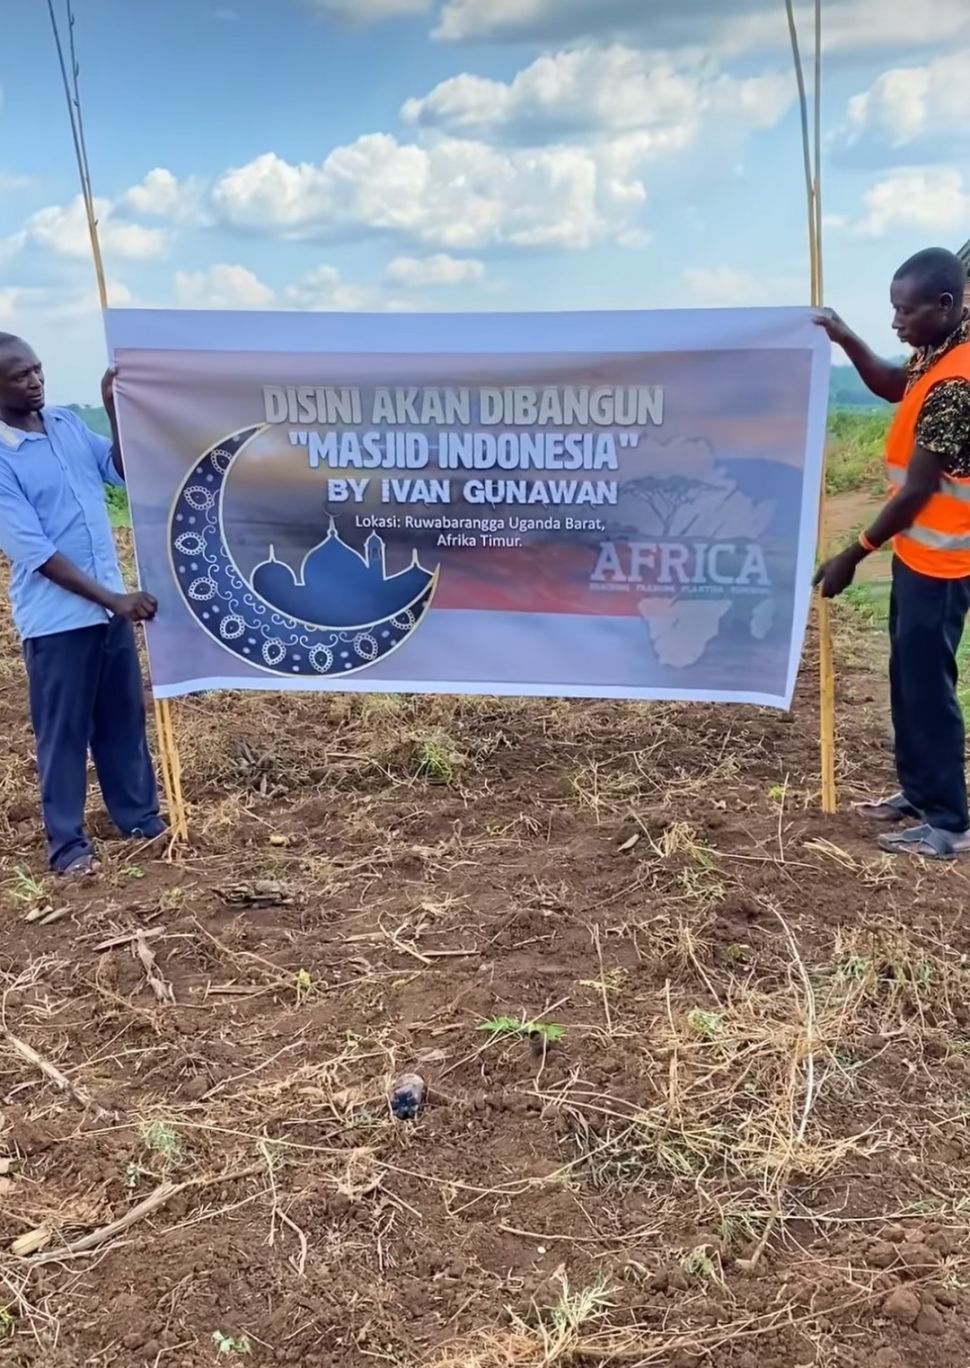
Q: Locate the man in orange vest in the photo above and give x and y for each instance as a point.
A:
(927, 519)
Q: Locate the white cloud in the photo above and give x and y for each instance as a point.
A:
(725, 287)
(63, 230)
(440, 269)
(162, 195)
(906, 104)
(453, 194)
(325, 289)
(226, 286)
(222, 287)
(932, 199)
(706, 25)
(24, 306)
(368, 11)
(10, 182)
(605, 90)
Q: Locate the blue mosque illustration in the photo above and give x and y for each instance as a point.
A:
(339, 587)
(340, 615)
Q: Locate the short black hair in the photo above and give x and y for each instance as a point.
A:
(937, 271)
(7, 338)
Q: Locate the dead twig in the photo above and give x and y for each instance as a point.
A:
(163, 990)
(51, 1072)
(115, 942)
(152, 1203)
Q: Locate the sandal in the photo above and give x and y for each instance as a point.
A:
(893, 809)
(84, 867)
(931, 843)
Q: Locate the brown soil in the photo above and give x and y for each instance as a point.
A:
(749, 1149)
(846, 515)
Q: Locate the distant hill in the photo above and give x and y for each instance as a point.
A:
(847, 391)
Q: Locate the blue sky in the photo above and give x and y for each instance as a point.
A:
(469, 154)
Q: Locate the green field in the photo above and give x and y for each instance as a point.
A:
(854, 453)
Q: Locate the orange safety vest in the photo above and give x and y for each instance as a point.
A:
(938, 543)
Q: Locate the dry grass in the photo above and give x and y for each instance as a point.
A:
(757, 1010)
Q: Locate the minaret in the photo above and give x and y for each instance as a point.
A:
(374, 550)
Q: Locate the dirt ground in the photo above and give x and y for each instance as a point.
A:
(698, 1058)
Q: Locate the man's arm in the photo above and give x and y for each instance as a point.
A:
(885, 379)
(108, 399)
(923, 476)
(137, 607)
(23, 540)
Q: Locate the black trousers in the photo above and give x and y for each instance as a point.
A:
(86, 694)
(926, 618)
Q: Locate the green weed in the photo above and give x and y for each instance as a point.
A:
(576, 1309)
(707, 1025)
(503, 1027)
(24, 889)
(231, 1344)
(161, 1139)
(699, 1265)
(438, 759)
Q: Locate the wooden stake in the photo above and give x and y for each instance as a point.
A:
(169, 764)
(813, 196)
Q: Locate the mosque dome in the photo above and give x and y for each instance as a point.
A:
(337, 586)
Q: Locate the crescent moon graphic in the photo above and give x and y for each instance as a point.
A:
(228, 609)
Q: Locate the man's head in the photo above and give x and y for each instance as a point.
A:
(927, 297)
(21, 376)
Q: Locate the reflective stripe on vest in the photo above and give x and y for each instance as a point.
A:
(952, 489)
(938, 541)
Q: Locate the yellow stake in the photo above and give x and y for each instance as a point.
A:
(170, 765)
(813, 195)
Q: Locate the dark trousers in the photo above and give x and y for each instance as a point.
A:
(86, 693)
(926, 618)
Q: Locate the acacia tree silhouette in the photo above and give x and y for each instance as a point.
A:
(667, 494)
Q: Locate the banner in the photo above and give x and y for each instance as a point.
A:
(605, 505)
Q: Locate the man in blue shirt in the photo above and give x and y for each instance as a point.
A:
(71, 609)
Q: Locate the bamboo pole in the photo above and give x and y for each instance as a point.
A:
(169, 763)
(813, 196)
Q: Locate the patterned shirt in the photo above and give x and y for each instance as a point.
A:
(944, 420)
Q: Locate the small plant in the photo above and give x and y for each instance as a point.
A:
(163, 1140)
(707, 1025)
(231, 1344)
(699, 1264)
(737, 1226)
(304, 986)
(575, 1309)
(132, 872)
(6, 1322)
(548, 1032)
(24, 889)
(172, 898)
(611, 982)
(438, 759)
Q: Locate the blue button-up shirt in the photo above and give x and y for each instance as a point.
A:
(52, 499)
